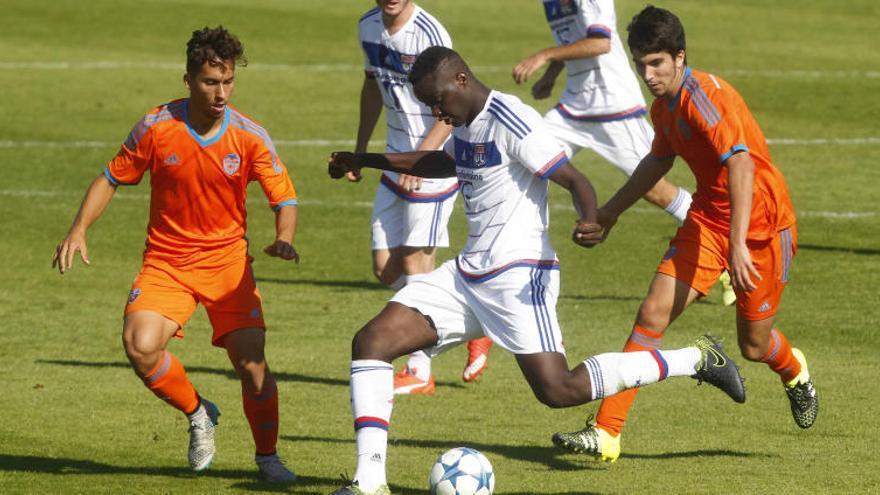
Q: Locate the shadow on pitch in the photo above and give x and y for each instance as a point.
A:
(228, 373)
(62, 466)
(580, 297)
(839, 249)
(339, 284)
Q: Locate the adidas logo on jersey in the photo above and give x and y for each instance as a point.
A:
(172, 159)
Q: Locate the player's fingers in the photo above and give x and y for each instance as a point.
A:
(56, 256)
(84, 255)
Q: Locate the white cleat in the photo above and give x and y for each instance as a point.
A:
(201, 435)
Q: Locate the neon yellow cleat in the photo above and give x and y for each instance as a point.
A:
(592, 440)
(802, 395)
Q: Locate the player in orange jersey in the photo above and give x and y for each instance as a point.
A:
(201, 154)
(741, 220)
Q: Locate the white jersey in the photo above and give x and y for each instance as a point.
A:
(602, 88)
(502, 161)
(389, 58)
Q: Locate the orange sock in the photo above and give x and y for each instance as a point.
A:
(779, 357)
(614, 410)
(261, 410)
(169, 382)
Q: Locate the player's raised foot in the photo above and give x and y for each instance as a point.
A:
(592, 440)
(478, 358)
(728, 296)
(273, 470)
(352, 488)
(802, 395)
(406, 381)
(716, 368)
(201, 435)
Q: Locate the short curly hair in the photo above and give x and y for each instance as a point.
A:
(213, 45)
(655, 30)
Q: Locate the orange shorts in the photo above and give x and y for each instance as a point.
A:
(697, 255)
(221, 279)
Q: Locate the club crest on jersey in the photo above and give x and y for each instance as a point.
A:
(133, 294)
(231, 163)
(479, 155)
(407, 61)
(566, 7)
(684, 129)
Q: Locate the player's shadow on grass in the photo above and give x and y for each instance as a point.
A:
(340, 284)
(839, 249)
(62, 466)
(599, 297)
(228, 373)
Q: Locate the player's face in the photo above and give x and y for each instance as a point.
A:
(445, 96)
(661, 72)
(392, 8)
(211, 88)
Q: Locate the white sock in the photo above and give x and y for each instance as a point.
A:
(372, 390)
(615, 372)
(680, 205)
(419, 364)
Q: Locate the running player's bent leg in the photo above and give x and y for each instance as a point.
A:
(398, 330)
(145, 335)
(259, 393)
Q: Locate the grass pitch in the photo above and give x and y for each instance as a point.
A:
(77, 75)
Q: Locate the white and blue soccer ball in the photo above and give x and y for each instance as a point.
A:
(462, 471)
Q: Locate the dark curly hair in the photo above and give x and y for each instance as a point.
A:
(655, 30)
(213, 45)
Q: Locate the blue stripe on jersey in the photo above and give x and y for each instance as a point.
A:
(426, 22)
(603, 31)
(509, 119)
(557, 9)
(386, 58)
(701, 100)
(369, 13)
(735, 149)
(476, 155)
(170, 111)
(242, 122)
(432, 39)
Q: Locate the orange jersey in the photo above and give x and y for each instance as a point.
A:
(198, 186)
(706, 123)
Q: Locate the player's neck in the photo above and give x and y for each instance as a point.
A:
(206, 127)
(396, 23)
(677, 82)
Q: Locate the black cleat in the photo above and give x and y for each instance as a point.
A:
(802, 395)
(716, 368)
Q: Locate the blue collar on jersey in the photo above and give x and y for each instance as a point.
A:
(674, 101)
(199, 139)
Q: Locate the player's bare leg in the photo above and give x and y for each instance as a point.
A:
(397, 331)
(246, 351)
(145, 336)
(760, 341)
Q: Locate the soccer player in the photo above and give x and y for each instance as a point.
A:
(410, 214)
(201, 154)
(505, 282)
(602, 107)
(741, 220)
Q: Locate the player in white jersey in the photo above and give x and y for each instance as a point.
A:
(505, 282)
(602, 107)
(410, 214)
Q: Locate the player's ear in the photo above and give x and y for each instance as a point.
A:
(680, 59)
(461, 78)
(186, 80)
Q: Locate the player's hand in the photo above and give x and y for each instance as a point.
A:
(587, 234)
(354, 175)
(543, 88)
(282, 249)
(741, 268)
(409, 183)
(340, 163)
(64, 253)
(527, 66)
(606, 220)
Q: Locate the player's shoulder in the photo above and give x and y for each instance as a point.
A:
(430, 27)
(705, 83)
(247, 127)
(370, 24)
(513, 115)
(710, 96)
(157, 119)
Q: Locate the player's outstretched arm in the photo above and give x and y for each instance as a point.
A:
(427, 164)
(587, 232)
(583, 48)
(649, 171)
(433, 141)
(97, 198)
(285, 230)
(370, 110)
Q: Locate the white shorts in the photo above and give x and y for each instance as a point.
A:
(623, 143)
(398, 222)
(516, 309)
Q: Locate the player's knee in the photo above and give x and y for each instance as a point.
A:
(752, 351)
(369, 343)
(653, 314)
(554, 394)
(143, 352)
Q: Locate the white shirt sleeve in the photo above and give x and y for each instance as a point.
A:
(598, 17)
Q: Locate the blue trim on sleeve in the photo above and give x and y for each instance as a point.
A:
(735, 149)
(110, 177)
(289, 202)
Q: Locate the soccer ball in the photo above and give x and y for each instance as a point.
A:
(462, 471)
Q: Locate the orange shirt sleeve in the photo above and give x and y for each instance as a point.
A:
(271, 173)
(134, 156)
(719, 117)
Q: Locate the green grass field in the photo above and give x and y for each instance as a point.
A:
(77, 75)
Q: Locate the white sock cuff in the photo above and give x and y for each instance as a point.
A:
(680, 205)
